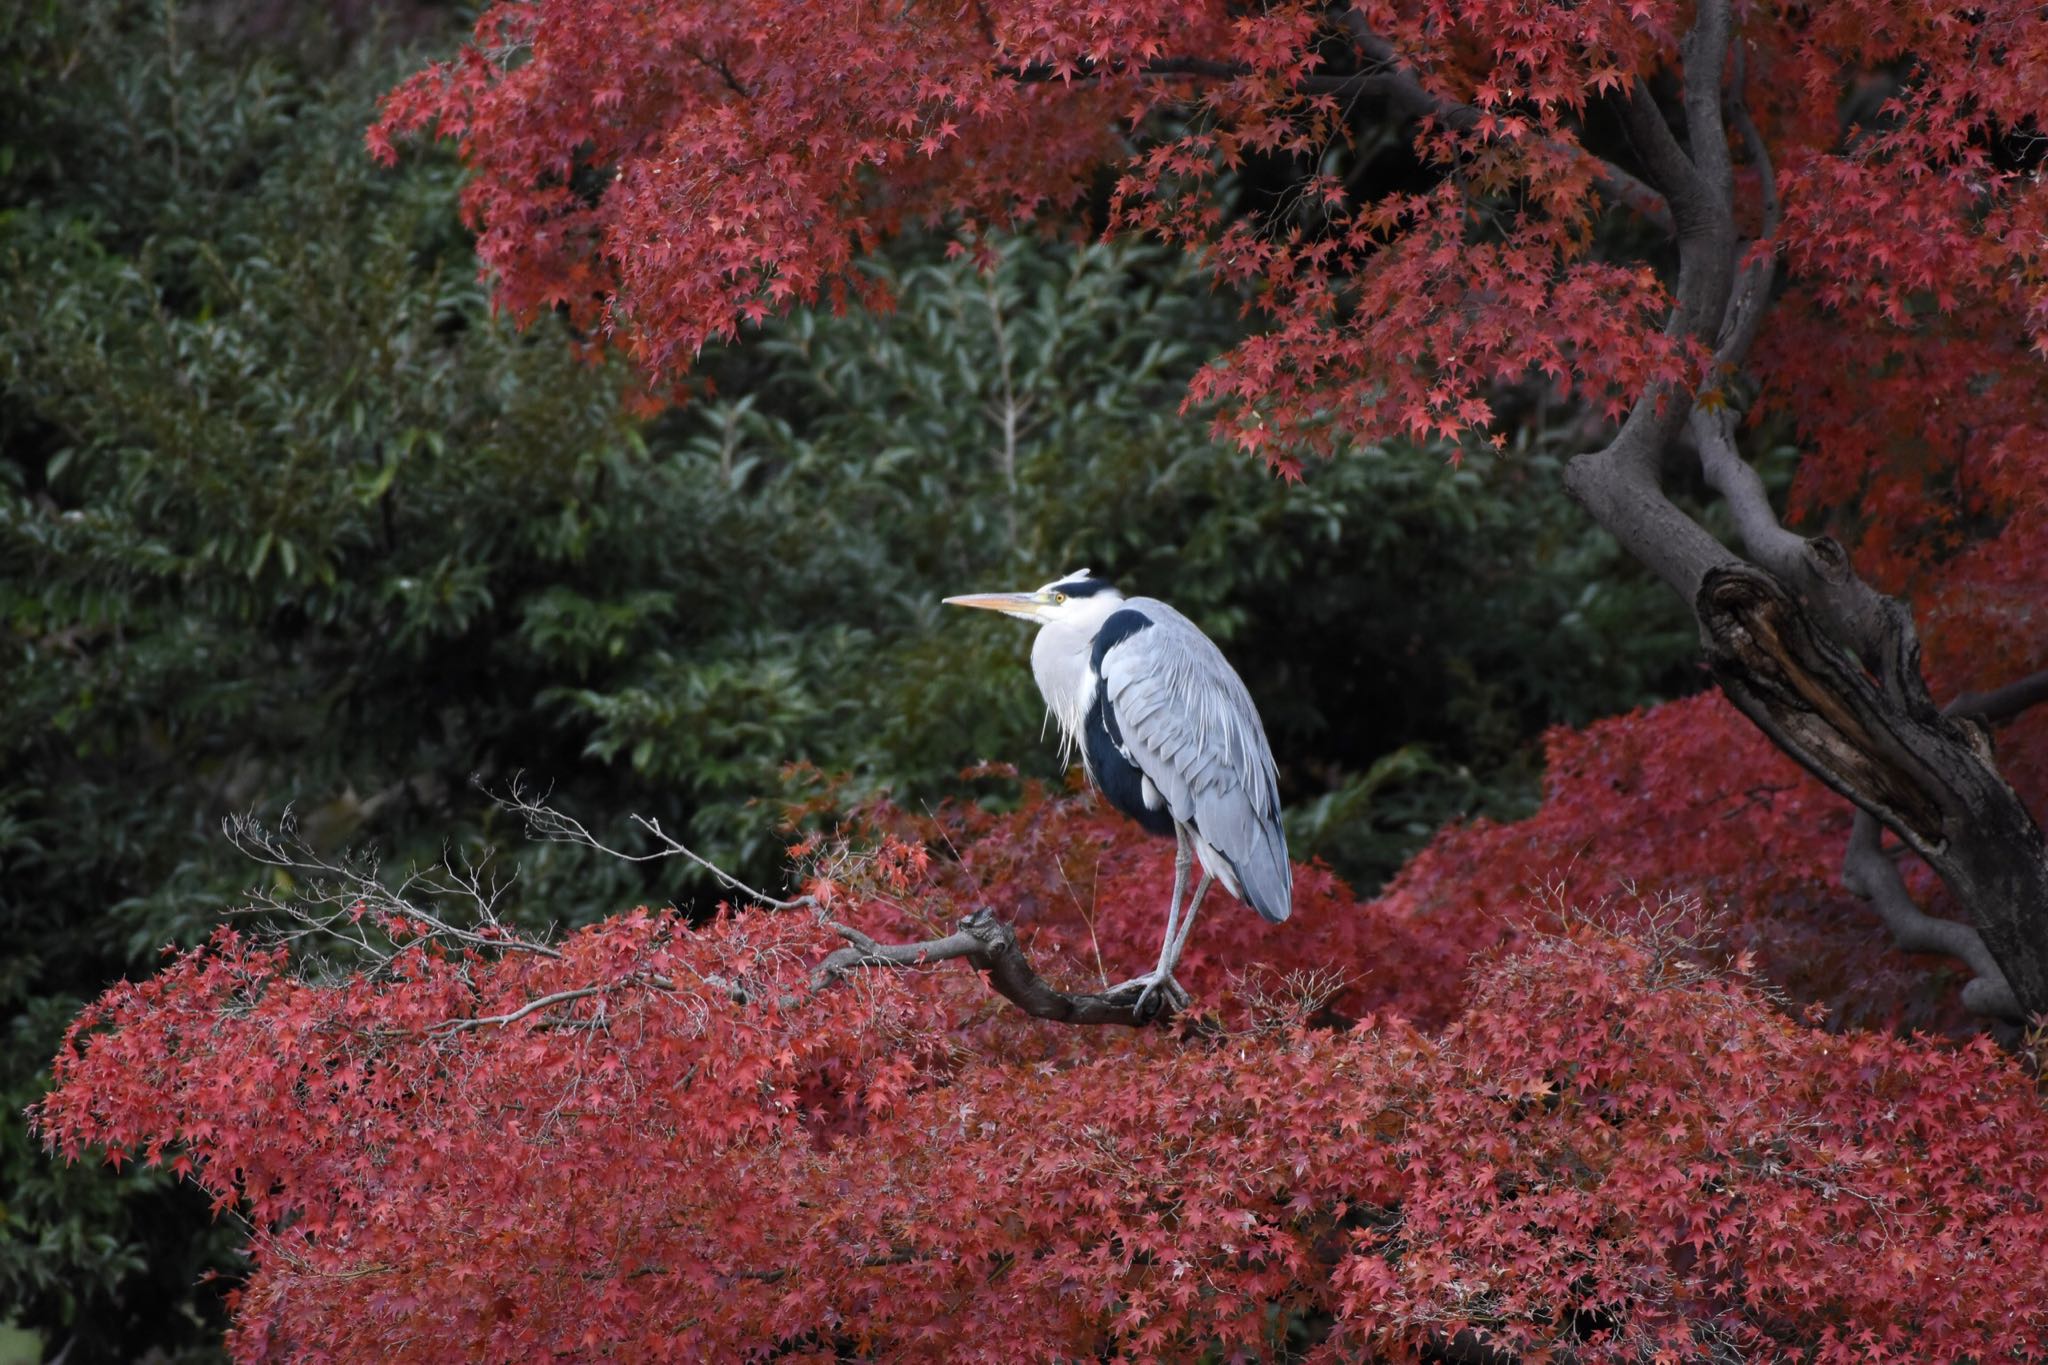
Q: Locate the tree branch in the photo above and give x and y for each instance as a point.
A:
(1869, 873)
(1407, 96)
(990, 947)
(1742, 488)
(1669, 167)
(1704, 51)
(2002, 703)
(346, 904)
(548, 825)
(1699, 186)
(1751, 295)
(1620, 484)
(1824, 665)
(533, 1006)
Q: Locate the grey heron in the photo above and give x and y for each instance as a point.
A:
(1168, 735)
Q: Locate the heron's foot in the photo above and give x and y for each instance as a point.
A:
(1150, 994)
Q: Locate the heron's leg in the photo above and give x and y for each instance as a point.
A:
(1169, 951)
(1183, 859)
(1171, 955)
(1183, 856)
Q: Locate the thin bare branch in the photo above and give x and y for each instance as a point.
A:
(549, 825)
(533, 1006)
(987, 944)
(724, 71)
(342, 901)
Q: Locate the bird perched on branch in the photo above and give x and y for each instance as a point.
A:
(1169, 736)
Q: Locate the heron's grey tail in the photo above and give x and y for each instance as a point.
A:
(1265, 875)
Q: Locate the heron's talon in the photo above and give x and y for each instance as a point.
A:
(1157, 992)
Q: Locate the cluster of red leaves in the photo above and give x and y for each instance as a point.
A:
(1908, 348)
(674, 171)
(1605, 1138)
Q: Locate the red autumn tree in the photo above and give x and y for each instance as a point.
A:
(1497, 1112)
(1711, 225)
(1609, 1140)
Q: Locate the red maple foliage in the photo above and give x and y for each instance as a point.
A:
(669, 172)
(1609, 1139)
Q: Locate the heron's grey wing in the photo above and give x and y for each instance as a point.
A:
(1183, 717)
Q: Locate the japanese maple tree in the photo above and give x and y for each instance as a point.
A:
(1699, 221)
(1610, 1139)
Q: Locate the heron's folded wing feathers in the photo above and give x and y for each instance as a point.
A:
(1190, 726)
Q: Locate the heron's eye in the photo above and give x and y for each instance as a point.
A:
(1059, 599)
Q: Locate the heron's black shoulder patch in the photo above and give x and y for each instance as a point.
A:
(1121, 626)
(1120, 780)
(1086, 587)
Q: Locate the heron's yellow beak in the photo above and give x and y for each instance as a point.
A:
(1024, 604)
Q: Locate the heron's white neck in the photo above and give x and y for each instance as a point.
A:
(1059, 661)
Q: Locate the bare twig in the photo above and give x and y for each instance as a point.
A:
(338, 899)
(549, 825)
(346, 904)
(341, 902)
(723, 71)
(532, 1006)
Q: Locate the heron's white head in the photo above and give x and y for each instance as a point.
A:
(1078, 596)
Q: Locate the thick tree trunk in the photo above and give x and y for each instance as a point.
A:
(1826, 667)
(1870, 730)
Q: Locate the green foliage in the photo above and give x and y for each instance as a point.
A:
(274, 484)
(1407, 626)
(286, 518)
